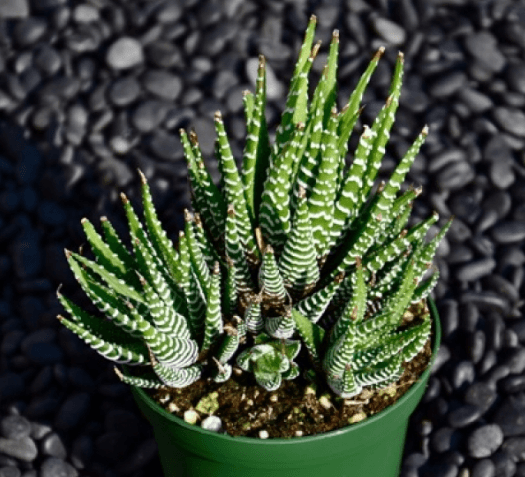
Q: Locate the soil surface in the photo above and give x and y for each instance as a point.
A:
(297, 408)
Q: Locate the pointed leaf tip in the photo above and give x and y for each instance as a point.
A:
(217, 116)
(315, 50)
(123, 198)
(118, 373)
(83, 220)
(142, 177)
(187, 216)
(193, 137)
(379, 53)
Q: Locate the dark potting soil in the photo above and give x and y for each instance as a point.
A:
(295, 408)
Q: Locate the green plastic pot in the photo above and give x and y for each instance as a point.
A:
(372, 447)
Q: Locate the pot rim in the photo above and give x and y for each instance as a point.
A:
(436, 326)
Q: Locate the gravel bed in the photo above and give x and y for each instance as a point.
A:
(90, 91)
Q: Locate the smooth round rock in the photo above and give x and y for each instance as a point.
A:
(480, 394)
(54, 467)
(464, 415)
(15, 427)
(163, 84)
(124, 91)
(149, 114)
(483, 468)
(508, 232)
(29, 31)
(483, 46)
(515, 76)
(484, 441)
(476, 269)
(511, 120)
(166, 146)
(446, 85)
(455, 176)
(510, 416)
(389, 30)
(124, 53)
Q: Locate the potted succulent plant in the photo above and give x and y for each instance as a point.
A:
(289, 332)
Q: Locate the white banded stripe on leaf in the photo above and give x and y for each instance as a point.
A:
(269, 279)
(197, 259)
(313, 306)
(127, 353)
(169, 350)
(165, 318)
(429, 250)
(330, 84)
(196, 306)
(146, 383)
(115, 244)
(298, 264)
(274, 215)
(148, 257)
(103, 298)
(257, 150)
(106, 257)
(350, 112)
(348, 199)
(149, 270)
(159, 239)
(296, 101)
(209, 199)
(280, 327)
(381, 128)
(424, 289)
(208, 251)
(321, 200)
(213, 321)
(98, 332)
(235, 252)
(234, 191)
(310, 154)
(378, 374)
(229, 291)
(117, 284)
(176, 377)
(253, 317)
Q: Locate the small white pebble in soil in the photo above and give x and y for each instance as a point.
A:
(212, 423)
(264, 434)
(325, 402)
(172, 407)
(249, 402)
(298, 433)
(191, 416)
(310, 390)
(357, 417)
(274, 398)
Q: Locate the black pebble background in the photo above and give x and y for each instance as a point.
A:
(90, 91)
